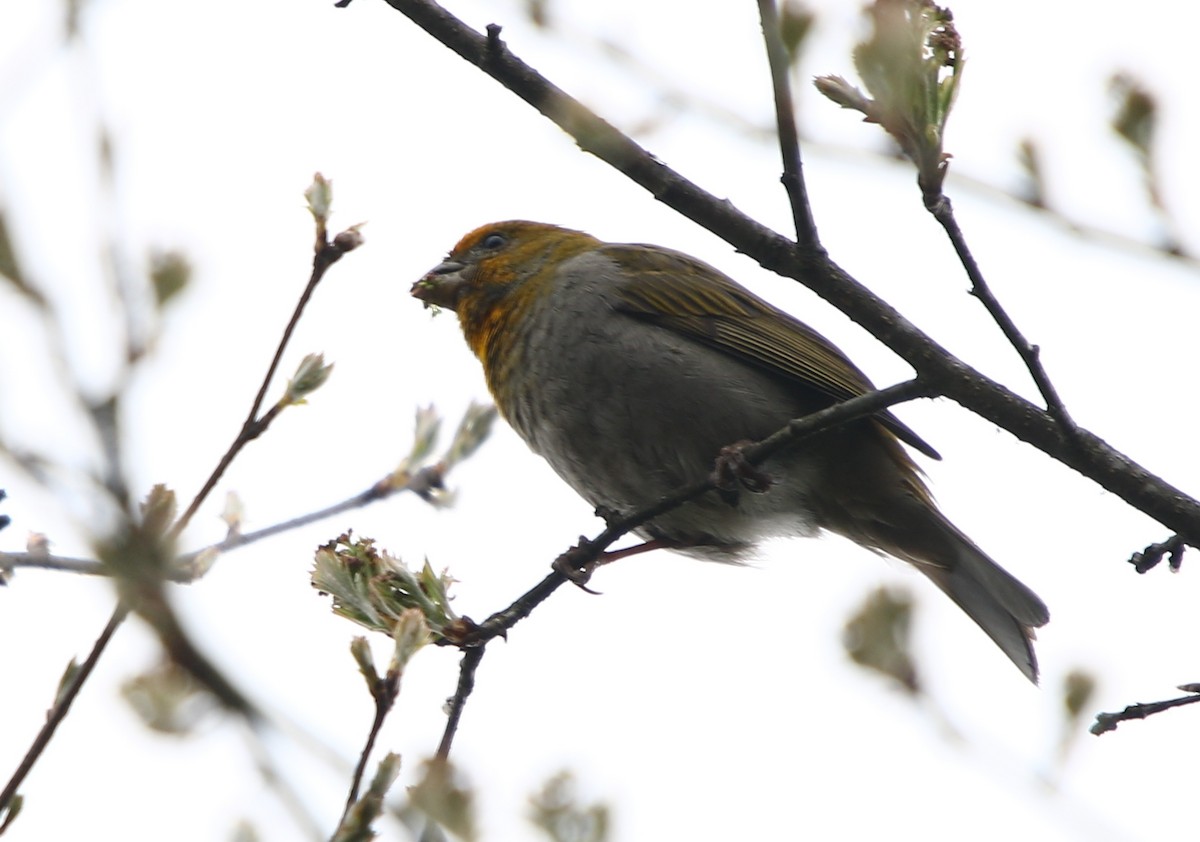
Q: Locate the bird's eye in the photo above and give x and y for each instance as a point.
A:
(494, 241)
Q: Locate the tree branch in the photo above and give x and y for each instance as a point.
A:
(1106, 722)
(46, 561)
(384, 693)
(1148, 559)
(589, 550)
(1089, 455)
(326, 254)
(473, 638)
(785, 120)
(943, 212)
(466, 683)
(190, 566)
(140, 582)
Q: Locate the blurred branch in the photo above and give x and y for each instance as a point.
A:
(414, 474)
(139, 550)
(138, 554)
(45, 561)
(192, 565)
(676, 98)
(948, 375)
(293, 801)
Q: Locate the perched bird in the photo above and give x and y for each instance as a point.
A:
(630, 367)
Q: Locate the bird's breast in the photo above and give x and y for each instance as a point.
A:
(626, 412)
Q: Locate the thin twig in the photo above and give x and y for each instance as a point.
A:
(384, 692)
(1106, 722)
(421, 482)
(173, 638)
(46, 561)
(475, 639)
(1148, 559)
(785, 120)
(943, 212)
(466, 683)
(755, 454)
(185, 571)
(588, 551)
(948, 375)
(61, 706)
(254, 426)
(672, 97)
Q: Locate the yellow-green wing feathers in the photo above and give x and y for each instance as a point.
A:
(693, 299)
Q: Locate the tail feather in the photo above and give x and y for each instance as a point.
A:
(1003, 607)
(876, 498)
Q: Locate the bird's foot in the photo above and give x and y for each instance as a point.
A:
(576, 566)
(733, 472)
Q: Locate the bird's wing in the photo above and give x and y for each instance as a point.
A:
(693, 299)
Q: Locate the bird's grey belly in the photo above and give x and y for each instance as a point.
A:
(626, 421)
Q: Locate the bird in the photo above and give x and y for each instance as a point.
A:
(630, 368)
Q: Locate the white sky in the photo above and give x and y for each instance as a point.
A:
(702, 702)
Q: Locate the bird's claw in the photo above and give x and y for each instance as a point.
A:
(733, 472)
(577, 572)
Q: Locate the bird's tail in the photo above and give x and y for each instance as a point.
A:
(893, 512)
(1004, 607)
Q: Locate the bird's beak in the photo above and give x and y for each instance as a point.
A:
(441, 285)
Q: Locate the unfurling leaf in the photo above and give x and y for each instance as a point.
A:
(911, 66)
(310, 375)
(375, 590)
(319, 196)
(473, 430)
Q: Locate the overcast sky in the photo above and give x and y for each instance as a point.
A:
(700, 701)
